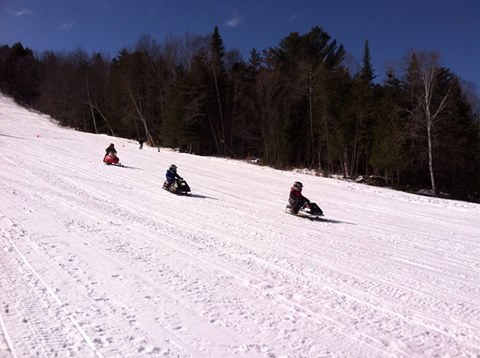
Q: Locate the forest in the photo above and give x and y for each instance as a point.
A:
(294, 105)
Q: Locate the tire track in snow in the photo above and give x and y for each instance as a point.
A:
(5, 222)
(9, 345)
(77, 208)
(154, 349)
(390, 309)
(437, 327)
(257, 285)
(174, 246)
(376, 304)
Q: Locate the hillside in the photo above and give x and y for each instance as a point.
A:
(100, 261)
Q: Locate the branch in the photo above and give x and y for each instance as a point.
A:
(442, 105)
(101, 114)
(147, 133)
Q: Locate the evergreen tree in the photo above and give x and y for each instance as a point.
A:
(217, 92)
(366, 74)
(362, 117)
(389, 149)
(19, 75)
(217, 50)
(303, 60)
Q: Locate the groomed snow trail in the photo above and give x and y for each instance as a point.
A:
(99, 261)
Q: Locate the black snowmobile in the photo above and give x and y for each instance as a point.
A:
(179, 187)
(308, 210)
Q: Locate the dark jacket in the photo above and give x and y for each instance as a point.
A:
(296, 197)
(110, 149)
(172, 176)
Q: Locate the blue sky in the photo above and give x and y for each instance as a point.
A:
(392, 27)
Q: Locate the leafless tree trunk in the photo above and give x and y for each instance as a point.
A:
(310, 103)
(222, 123)
(428, 81)
(147, 133)
(91, 107)
(104, 118)
(307, 87)
(346, 163)
(325, 123)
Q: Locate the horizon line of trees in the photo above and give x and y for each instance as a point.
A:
(292, 105)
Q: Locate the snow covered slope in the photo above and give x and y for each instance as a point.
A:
(100, 261)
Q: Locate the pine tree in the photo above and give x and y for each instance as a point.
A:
(389, 153)
(362, 104)
(217, 101)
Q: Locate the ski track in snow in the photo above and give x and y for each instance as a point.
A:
(100, 261)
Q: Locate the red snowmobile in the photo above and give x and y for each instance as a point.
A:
(111, 159)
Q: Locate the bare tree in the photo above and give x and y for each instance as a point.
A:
(428, 108)
(96, 107)
(147, 133)
(91, 105)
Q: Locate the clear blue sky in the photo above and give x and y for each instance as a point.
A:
(392, 27)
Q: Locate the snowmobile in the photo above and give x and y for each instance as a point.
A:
(179, 187)
(308, 210)
(112, 159)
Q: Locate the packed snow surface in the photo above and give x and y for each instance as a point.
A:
(98, 260)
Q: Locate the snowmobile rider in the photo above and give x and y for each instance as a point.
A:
(171, 175)
(296, 199)
(110, 149)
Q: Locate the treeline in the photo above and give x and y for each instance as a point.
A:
(293, 105)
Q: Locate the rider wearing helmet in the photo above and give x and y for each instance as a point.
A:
(171, 175)
(296, 199)
(110, 149)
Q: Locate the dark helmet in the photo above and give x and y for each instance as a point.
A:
(173, 168)
(112, 145)
(297, 185)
